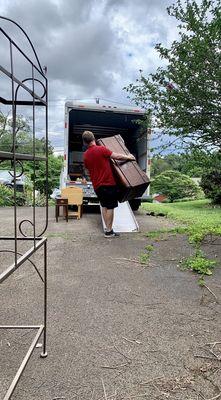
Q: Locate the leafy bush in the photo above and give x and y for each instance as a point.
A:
(175, 185)
(54, 170)
(211, 185)
(21, 199)
(6, 196)
(40, 200)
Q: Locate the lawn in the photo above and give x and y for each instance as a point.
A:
(199, 216)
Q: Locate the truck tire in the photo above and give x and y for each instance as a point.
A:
(135, 204)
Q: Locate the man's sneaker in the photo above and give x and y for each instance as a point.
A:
(110, 234)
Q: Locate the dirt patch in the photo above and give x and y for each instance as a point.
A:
(116, 330)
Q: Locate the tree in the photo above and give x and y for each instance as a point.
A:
(23, 134)
(168, 162)
(196, 162)
(184, 98)
(175, 185)
(193, 163)
(211, 185)
(24, 144)
(54, 170)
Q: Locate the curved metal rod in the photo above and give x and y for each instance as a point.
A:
(16, 94)
(15, 112)
(20, 226)
(30, 79)
(30, 222)
(20, 254)
(45, 228)
(22, 169)
(10, 20)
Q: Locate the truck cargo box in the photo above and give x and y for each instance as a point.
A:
(132, 181)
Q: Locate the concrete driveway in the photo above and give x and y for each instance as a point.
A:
(116, 330)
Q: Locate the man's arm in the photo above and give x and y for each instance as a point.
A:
(118, 156)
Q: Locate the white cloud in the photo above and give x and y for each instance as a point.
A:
(91, 48)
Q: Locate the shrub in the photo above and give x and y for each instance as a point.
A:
(211, 185)
(6, 196)
(175, 185)
(40, 201)
(54, 170)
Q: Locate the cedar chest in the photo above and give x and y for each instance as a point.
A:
(131, 180)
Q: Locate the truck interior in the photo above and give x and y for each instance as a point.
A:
(103, 123)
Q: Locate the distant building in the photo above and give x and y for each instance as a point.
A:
(159, 198)
(58, 152)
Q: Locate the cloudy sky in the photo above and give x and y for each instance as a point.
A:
(92, 48)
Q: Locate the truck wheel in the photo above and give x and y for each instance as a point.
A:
(135, 204)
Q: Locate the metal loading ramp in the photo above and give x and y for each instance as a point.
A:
(124, 219)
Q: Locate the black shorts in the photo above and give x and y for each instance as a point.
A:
(107, 196)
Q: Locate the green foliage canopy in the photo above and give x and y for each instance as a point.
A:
(24, 140)
(24, 144)
(54, 170)
(193, 163)
(211, 185)
(184, 97)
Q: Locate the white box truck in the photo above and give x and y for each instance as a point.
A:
(103, 120)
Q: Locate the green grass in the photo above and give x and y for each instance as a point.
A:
(198, 219)
(199, 216)
(165, 231)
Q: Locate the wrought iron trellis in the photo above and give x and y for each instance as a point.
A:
(36, 240)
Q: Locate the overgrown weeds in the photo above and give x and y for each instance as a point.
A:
(199, 263)
(200, 220)
(144, 258)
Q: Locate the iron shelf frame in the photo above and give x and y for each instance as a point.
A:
(36, 240)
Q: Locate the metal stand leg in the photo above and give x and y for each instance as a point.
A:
(44, 353)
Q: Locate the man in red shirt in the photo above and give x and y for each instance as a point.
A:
(97, 162)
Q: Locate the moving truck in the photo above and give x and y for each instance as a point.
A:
(104, 121)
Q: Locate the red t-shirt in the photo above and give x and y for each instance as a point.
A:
(97, 162)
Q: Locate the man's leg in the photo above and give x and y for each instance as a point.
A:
(104, 214)
(108, 216)
(112, 220)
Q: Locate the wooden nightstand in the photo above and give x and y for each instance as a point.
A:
(61, 202)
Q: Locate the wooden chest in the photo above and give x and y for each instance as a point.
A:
(131, 180)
